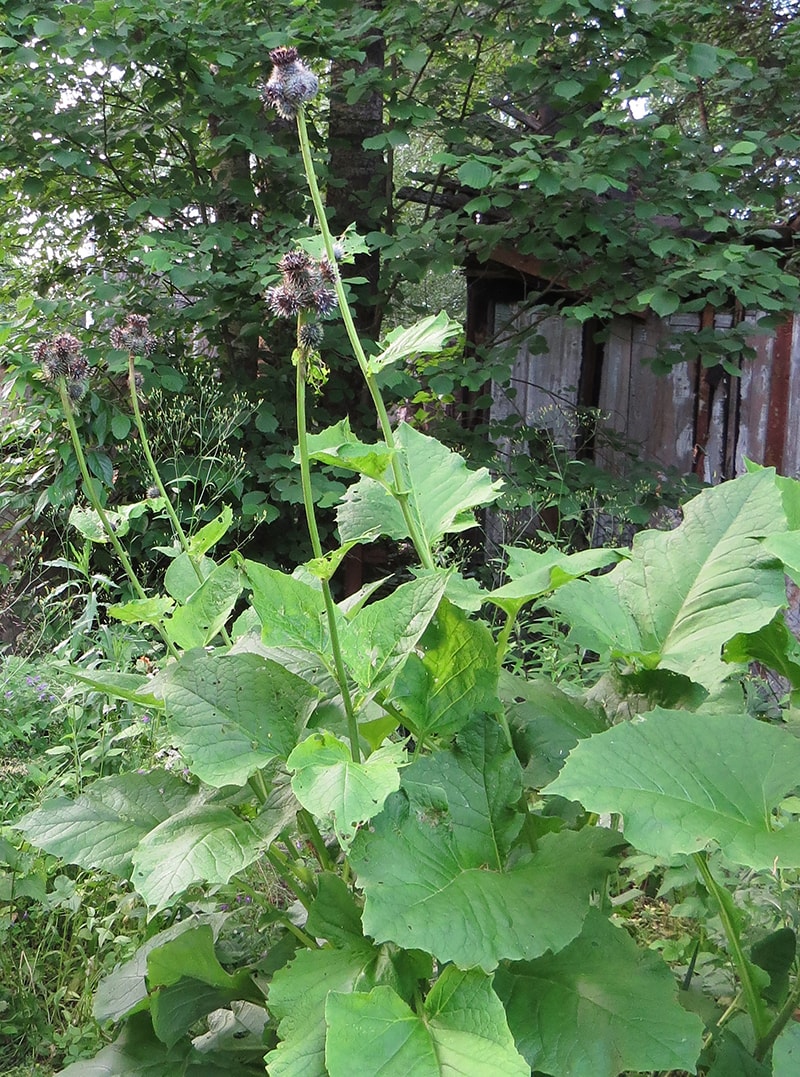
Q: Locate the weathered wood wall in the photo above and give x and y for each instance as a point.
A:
(693, 419)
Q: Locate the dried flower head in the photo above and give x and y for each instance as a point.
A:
(134, 336)
(290, 85)
(61, 357)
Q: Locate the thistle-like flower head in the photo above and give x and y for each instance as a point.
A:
(134, 336)
(291, 84)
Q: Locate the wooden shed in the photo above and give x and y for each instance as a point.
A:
(694, 418)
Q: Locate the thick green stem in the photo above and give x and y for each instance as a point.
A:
(316, 546)
(180, 534)
(307, 822)
(400, 493)
(759, 1017)
(503, 638)
(767, 1041)
(88, 482)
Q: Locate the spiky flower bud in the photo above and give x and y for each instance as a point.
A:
(290, 85)
(310, 335)
(303, 287)
(152, 491)
(324, 301)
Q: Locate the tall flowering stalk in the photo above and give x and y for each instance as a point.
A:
(290, 87)
(135, 338)
(64, 364)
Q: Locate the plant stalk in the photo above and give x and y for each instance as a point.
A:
(151, 464)
(316, 546)
(400, 493)
(124, 560)
(752, 996)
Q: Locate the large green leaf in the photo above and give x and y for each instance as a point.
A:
(297, 997)
(598, 1007)
(786, 1052)
(139, 1053)
(533, 573)
(328, 783)
(291, 612)
(546, 724)
(379, 637)
(462, 1032)
(181, 578)
(208, 843)
(683, 781)
(124, 990)
(774, 646)
(685, 593)
(207, 609)
(426, 335)
(435, 870)
(102, 827)
(452, 677)
(231, 714)
(186, 981)
(443, 493)
(337, 445)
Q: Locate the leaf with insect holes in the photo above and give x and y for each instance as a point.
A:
(683, 781)
(231, 714)
(330, 784)
(462, 1032)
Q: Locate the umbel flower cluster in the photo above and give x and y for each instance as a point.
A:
(62, 357)
(306, 289)
(134, 336)
(291, 83)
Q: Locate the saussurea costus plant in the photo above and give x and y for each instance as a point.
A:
(433, 850)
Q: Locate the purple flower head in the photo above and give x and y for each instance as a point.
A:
(134, 336)
(291, 83)
(61, 357)
(283, 302)
(324, 301)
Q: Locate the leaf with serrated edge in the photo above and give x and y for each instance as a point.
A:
(684, 593)
(444, 494)
(231, 714)
(453, 679)
(598, 1007)
(426, 335)
(377, 639)
(328, 783)
(683, 781)
(206, 844)
(102, 827)
(339, 447)
(463, 1032)
(296, 999)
